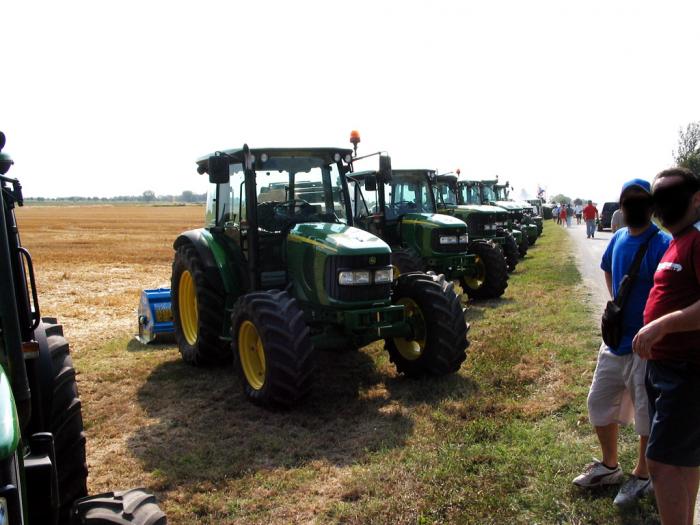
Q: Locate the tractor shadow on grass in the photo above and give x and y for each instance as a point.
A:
(205, 429)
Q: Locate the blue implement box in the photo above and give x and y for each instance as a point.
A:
(155, 315)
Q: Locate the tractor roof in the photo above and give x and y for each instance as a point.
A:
(446, 178)
(413, 172)
(299, 154)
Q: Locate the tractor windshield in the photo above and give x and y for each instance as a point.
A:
(407, 195)
(471, 193)
(293, 190)
(489, 194)
(501, 193)
(445, 194)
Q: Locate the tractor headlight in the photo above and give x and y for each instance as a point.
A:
(463, 239)
(353, 277)
(384, 276)
(489, 227)
(448, 239)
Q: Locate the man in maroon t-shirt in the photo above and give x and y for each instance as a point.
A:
(670, 340)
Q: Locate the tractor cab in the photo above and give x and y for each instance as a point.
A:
(401, 210)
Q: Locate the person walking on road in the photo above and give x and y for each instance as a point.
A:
(562, 215)
(617, 395)
(569, 215)
(578, 210)
(590, 215)
(616, 221)
(670, 340)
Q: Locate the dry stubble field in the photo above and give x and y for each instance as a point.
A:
(496, 443)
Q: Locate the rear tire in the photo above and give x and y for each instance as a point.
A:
(280, 366)
(493, 268)
(510, 250)
(406, 260)
(440, 341)
(199, 338)
(134, 506)
(65, 421)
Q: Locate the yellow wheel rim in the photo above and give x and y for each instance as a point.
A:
(252, 355)
(187, 302)
(476, 281)
(412, 349)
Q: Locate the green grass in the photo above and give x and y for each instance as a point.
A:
(497, 443)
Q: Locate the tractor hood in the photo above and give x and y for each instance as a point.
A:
(432, 220)
(510, 205)
(476, 208)
(337, 239)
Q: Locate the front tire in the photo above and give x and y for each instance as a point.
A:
(274, 356)
(524, 245)
(510, 250)
(406, 260)
(490, 278)
(439, 343)
(198, 311)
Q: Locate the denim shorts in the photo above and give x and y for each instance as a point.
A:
(673, 389)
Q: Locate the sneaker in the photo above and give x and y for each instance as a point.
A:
(632, 491)
(596, 474)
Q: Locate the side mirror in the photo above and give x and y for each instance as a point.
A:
(385, 167)
(218, 169)
(371, 184)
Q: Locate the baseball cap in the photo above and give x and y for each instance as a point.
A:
(636, 183)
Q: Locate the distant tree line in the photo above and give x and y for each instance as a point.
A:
(146, 196)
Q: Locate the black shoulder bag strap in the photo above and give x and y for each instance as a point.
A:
(632, 273)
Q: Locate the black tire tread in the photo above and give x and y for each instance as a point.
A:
(289, 354)
(209, 349)
(510, 250)
(524, 245)
(446, 339)
(134, 506)
(496, 280)
(66, 422)
(406, 260)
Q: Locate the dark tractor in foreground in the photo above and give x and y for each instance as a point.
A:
(487, 223)
(279, 272)
(605, 219)
(401, 210)
(43, 472)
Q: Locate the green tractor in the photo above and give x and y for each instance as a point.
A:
(520, 216)
(43, 472)
(463, 200)
(401, 210)
(279, 272)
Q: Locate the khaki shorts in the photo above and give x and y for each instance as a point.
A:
(618, 392)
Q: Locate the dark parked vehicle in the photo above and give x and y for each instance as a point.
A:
(606, 215)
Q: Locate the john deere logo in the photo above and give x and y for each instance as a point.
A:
(373, 260)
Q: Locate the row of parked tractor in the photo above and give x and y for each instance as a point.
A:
(301, 251)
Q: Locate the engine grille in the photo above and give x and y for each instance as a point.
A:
(372, 292)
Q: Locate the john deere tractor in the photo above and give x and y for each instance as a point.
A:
(43, 472)
(463, 200)
(400, 208)
(279, 271)
(520, 215)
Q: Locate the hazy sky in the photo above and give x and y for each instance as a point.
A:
(103, 98)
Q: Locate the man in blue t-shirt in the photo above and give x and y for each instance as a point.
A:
(618, 394)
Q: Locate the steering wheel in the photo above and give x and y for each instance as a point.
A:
(402, 204)
(289, 208)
